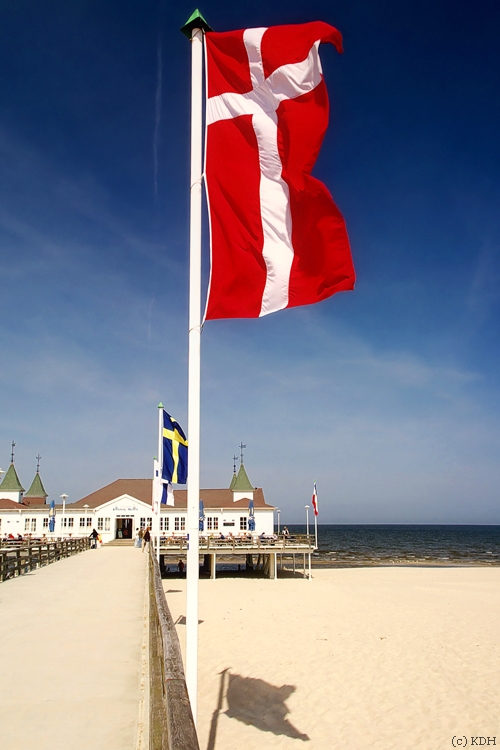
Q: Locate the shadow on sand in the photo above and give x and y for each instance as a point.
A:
(257, 703)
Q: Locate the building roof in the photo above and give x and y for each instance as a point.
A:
(141, 489)
(222, 499)
(11, 481)
(242, 482)
(6, 504)
(37, 489)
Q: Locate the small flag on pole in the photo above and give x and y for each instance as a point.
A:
(169, 499)
(175, 451)
(315, 499)
(52, 516)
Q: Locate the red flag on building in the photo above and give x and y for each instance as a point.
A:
(277, 238)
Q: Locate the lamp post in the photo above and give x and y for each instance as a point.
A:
(307, 519)
(278, 513)
(64, 497)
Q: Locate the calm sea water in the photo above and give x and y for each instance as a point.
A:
(341, 545)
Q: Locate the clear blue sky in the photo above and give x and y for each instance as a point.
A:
(387, 396)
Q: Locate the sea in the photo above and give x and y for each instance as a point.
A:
(367, 544)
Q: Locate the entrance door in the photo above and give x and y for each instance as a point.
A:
(124, 528)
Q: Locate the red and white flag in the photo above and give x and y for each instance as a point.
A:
(315, 499)
(277, 238)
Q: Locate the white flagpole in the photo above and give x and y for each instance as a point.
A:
(160, 469)
(193, 486)
(316, 530)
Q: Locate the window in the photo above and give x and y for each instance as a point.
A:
(100, 524)
(146, 522)
(176, 523)
(209, 523)
(26, 524)
(183, 523)
(33, 524)
(82, 522)
(107, 524)
(71, 522)
(243, 523)
(89, 522)
(216, 524)
(212, 523)
(164, 524)
(180, 523)
(45, 523)
(64, 521)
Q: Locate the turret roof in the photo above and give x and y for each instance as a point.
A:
(242, 482)
(11, 481)
(37, 489)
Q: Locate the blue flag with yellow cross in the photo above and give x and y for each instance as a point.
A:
(175, 451)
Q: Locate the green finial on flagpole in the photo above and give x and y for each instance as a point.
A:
(195, 21)
(160, 405)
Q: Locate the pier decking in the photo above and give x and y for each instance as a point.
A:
(73, 645)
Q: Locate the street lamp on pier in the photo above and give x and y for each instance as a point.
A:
(64, 497)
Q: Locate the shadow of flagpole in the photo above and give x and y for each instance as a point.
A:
(216, 713)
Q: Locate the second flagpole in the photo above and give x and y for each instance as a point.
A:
(158, 485)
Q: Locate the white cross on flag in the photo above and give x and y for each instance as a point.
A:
(277, 238)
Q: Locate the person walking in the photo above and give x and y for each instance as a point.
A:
(146, 539)
(93, 538)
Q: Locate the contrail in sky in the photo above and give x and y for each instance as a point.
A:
(156, 136)
(149, 318)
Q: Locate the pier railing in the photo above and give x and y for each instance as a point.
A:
(171, 724)
(211, 542)
(19, 558)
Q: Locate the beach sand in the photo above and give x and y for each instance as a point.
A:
(355, 658)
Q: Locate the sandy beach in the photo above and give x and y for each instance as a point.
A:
(374, 657)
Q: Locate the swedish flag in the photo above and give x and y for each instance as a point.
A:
(175, 451)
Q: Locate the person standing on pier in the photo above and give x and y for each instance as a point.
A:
(146, 539)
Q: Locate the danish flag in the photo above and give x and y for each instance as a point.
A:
(277, 238)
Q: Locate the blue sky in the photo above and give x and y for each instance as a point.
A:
(387, 396)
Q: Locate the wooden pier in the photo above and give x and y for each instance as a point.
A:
(19, 558)
(257, 553)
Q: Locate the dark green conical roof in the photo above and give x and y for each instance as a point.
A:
(11, 481)
(195, 21)
(37, 489)
(241, 483)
